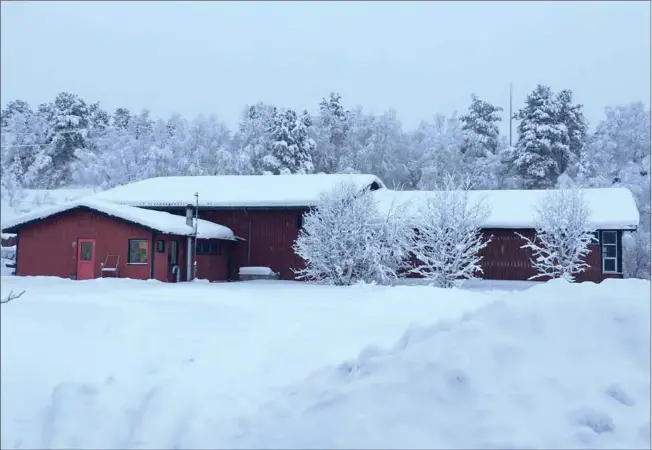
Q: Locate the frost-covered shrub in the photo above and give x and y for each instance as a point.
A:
(563, 235)
(345, 240)
(448, 237)
(636, 254)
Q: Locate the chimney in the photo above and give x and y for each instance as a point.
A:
(189, 214)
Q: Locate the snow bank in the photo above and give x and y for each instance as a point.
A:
(233, 190)
(611, 208)
(156, 220)
(564, 366)
(116, 363)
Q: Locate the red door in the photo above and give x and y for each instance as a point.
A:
(85, 259)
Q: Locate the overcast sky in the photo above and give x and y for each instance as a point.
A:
(421, 58)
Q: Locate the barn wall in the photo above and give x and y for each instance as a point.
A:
(272, 236)
(162, 270)
(504, 259)
(46, 247)
(213, 267)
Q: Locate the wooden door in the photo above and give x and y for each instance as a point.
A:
(85, 259)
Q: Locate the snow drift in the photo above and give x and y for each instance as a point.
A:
(563, 366)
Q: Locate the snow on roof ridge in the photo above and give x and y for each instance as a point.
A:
(160, 221)
(611, 208)
(233, 191)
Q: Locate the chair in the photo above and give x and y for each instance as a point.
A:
(110, 265)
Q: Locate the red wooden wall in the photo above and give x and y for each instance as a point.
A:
(273, 233)
(504, 259)
(46, 247)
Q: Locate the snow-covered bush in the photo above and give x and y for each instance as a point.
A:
(448, 238)
(563, 235)
(345, 240)
(636, 254)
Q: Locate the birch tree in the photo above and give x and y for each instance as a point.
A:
(563, 235)
(448, 237)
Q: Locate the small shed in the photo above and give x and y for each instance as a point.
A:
(90, 238)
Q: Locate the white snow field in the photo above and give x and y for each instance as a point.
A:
(141, 364)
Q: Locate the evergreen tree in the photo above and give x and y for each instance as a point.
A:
(572, 117)
(480, 127)
(252, 140)
(542, 146)
(68, 119)
(290, 145)
(121, 118)
(332, 126)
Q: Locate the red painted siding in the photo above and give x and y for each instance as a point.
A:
(504, 259)
(46, 247)
(213, 267)
(270, 242)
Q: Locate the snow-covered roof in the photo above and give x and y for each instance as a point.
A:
(611, 208)
(233, 190)
(162, 222)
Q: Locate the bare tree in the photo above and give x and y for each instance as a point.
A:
(11, 297)
(563, 234)
(448, 236)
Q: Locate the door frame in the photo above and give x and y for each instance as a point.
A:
(90, 262)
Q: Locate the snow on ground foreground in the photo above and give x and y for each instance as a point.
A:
(557, 366)
(130, 364)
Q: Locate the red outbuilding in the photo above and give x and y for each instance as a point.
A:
(209, 227)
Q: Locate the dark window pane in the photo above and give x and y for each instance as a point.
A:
(160, 246)
(609, 265)
(173, 253)
(138, 251)
(608, 237)
(609, 251)
(86, 251)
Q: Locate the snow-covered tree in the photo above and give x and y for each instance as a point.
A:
(23, 157)
(345, 239)
(290, 144)
(331, 127)
(571, 116)
(251, 141)
(618, 154)
(68, 119)
(448, 237)
(480, 127)
(563, 234)
(441, 145)
(542, 148)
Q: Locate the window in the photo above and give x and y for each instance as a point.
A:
(138, 251)
(609, 252)
(173, 253)
(86, 251)
(208, 248)
(160, 246)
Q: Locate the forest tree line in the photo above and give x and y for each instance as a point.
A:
(71, 142)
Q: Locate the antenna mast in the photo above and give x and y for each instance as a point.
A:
(510, 113)
(194, 253)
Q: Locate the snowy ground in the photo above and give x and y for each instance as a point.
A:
(135, 364)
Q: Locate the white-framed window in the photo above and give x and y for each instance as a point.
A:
(609, 252)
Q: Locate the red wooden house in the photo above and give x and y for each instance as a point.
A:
(144, 229)
(261, 215)
(513, 212)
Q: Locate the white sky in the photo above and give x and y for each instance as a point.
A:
(419, 57)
